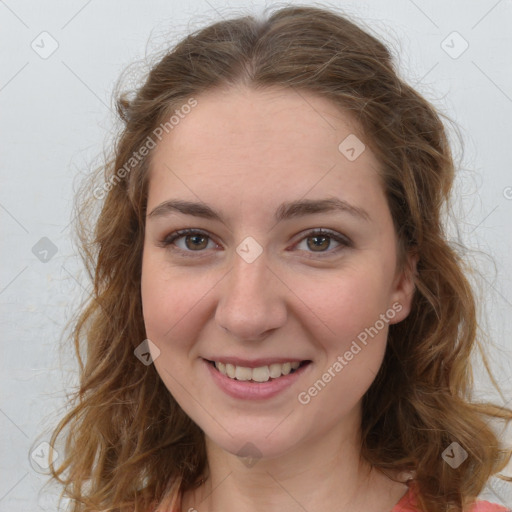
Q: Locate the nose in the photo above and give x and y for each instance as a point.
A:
(252, 300)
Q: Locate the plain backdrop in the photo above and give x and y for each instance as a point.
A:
(59, 61)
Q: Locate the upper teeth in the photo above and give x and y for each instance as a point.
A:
(260, 374)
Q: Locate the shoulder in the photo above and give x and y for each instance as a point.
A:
(408, 503)
(486, 506)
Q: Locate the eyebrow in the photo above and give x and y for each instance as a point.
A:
(287, 210)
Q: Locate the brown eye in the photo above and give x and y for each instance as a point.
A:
(196, 241)
(320, 241)
(190, 240)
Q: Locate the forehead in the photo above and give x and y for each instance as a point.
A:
(249, 144)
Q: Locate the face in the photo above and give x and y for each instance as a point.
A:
(291, 257)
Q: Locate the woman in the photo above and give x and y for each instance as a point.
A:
(279, 322)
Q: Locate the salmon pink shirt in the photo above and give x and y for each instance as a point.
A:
(408, 503)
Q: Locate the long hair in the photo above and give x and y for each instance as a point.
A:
(124, 431)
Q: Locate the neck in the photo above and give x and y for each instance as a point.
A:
(320, 474)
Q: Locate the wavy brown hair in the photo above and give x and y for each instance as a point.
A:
(124, 430)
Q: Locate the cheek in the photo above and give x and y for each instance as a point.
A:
(355, 315)
(167, 299)
(351, 336)
(168, 303)
(348, 302)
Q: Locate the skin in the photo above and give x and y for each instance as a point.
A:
(244, 152)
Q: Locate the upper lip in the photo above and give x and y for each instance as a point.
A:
(254, 363)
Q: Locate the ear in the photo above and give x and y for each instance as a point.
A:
(403, 287)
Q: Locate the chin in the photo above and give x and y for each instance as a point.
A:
(254, 444)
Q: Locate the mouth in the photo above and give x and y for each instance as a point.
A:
(259, 374)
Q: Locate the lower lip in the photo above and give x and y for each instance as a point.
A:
(250, 390)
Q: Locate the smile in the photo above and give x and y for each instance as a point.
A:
(257, 381)
(258, 374)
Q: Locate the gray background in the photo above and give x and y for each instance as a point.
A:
(56, 117)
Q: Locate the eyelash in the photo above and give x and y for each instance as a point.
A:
(341, 239)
